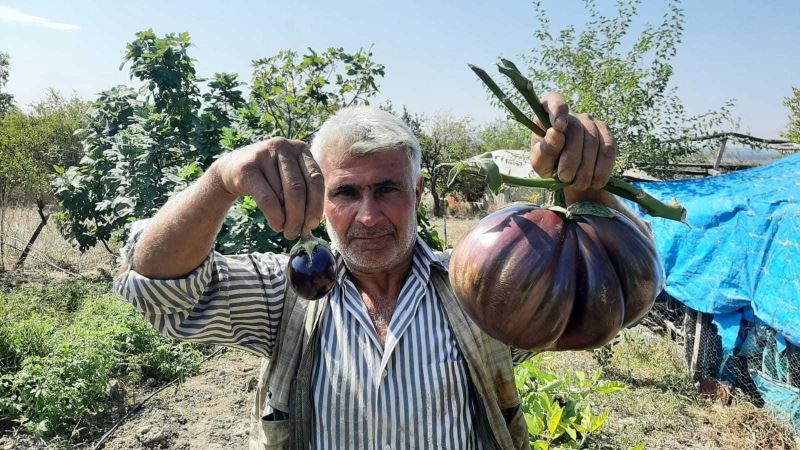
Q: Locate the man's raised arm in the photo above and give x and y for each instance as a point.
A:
(189, 292)
(279, 174)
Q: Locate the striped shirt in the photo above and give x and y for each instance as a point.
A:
(411, 393)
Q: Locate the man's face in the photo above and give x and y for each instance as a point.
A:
(370, 205)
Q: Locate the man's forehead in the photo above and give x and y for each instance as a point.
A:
(366, 169)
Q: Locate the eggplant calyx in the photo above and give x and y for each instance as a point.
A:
(309, 246)
(589, 209)
(583, 209)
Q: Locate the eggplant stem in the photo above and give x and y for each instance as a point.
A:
(525, 87)
(545, 183)
(615, 185)
(519, 116)
(650, 204)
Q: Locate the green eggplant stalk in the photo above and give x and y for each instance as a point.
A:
(616, 186)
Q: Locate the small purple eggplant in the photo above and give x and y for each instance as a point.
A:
(311, 269)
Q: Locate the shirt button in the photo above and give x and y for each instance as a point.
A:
(385, 372)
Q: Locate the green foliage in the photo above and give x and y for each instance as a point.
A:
(558, 407)
(426, 231)
(65, 345)
(443, 139)
(31, 144)
(504, 134)
(143, 147)
(626, 87)
(168, 72)
(793, 103)
(293, 94)
(6, 99)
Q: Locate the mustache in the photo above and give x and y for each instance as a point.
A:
(359, 231)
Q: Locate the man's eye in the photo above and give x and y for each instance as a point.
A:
(386, 189)
(345, 193)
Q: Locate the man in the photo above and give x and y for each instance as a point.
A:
(389, 359)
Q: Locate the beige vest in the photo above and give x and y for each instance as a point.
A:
(281, 414)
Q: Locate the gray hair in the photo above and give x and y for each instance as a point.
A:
(362, 130)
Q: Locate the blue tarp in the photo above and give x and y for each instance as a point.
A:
(740, 253)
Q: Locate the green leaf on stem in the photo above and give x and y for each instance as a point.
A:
(482, 165)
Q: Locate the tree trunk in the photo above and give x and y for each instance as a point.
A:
(438, 211)
(27, 250)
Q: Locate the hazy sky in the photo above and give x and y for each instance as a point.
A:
(742, 50)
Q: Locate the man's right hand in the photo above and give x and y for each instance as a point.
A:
(282, 177)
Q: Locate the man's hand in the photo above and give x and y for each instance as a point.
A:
(283, 179)
(578, 149)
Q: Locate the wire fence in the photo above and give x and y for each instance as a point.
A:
(763, 367)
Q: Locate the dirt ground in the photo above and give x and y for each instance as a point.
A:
(210, 411)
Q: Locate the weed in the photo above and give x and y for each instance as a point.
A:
(558, 408)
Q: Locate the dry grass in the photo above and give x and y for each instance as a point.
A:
(50, 249)
(660, 407)
(456, 227)
(755, 428)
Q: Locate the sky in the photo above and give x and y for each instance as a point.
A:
(741, 50)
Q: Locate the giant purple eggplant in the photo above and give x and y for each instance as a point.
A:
(537, 280)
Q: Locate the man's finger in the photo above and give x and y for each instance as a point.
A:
(315, 191)
(545, 151)
(257, 187)
(606, 156)
(557, 108)
(591, 143)
(571, 156)
(294, 193)
(269, 165)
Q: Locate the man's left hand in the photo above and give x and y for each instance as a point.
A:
(577, 148)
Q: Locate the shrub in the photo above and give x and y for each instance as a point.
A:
(61, 354)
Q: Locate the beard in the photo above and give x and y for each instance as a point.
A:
(395, 252)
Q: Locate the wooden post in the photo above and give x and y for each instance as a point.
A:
(721, 150)
(698, 338)
(29, 246)
(444, 221)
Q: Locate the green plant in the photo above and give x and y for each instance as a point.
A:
(426, 231)
(294, 94)
(604, 355)
(504, 134)
(6, 99)
(60, 359)
(142, 147)
(624, 80)
(558, 408)
(793, 103)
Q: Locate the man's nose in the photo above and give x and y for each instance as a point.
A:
(369, 213)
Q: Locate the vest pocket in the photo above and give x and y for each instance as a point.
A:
(277, 431)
